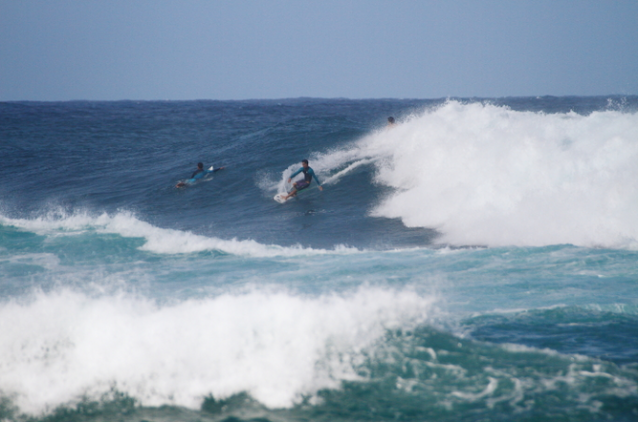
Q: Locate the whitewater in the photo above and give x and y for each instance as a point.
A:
(487, 175)
(475, 261)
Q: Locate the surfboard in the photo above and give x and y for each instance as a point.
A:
(193, 180)
(280, 197)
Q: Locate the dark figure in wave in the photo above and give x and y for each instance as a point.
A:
(198, 174)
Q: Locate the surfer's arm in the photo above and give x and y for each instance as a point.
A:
(213, 170)
(316, 180)
(294, 174)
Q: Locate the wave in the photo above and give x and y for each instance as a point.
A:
(486, 175)
(276, 346)
(157, 240)
(283, 349)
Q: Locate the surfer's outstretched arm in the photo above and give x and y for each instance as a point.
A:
(212, 170)
(314, 176)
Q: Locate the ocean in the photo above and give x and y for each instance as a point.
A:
(477, 261)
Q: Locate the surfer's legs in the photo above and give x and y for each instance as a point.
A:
(293, 192)
(296, 187)
(300, 186)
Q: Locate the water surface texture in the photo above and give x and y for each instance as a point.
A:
(477, 261)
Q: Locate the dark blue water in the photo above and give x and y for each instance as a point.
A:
(477, 261)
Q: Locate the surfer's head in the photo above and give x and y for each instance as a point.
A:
(200, 165)
(390, 120)
(304, 162)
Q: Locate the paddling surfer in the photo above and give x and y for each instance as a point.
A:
(198, 174)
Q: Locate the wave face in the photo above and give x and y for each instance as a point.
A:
(477, 261)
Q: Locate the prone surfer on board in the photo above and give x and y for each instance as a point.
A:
(308, 174)
(198, 174)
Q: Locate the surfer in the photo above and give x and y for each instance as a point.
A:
(308, 174)
(391, 121)
(198, 174)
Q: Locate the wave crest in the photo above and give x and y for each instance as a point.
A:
(274, 345)
(487, 175)
(158, 240)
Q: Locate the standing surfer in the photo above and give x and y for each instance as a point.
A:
(308, 174)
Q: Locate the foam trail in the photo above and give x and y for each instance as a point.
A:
(324, 164)
(488, 175)
(158, 240)
(337, 176)
(274, 345)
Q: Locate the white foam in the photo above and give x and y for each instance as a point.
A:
(158, 240)
(48, 261)
(338, 175)
(330, 167)
(489, 389)
(274, 345)
(488, 175)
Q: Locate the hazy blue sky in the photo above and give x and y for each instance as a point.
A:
(235, 49)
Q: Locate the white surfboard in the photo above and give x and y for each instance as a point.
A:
(280, 197)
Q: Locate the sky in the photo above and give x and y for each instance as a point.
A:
(270, 49)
